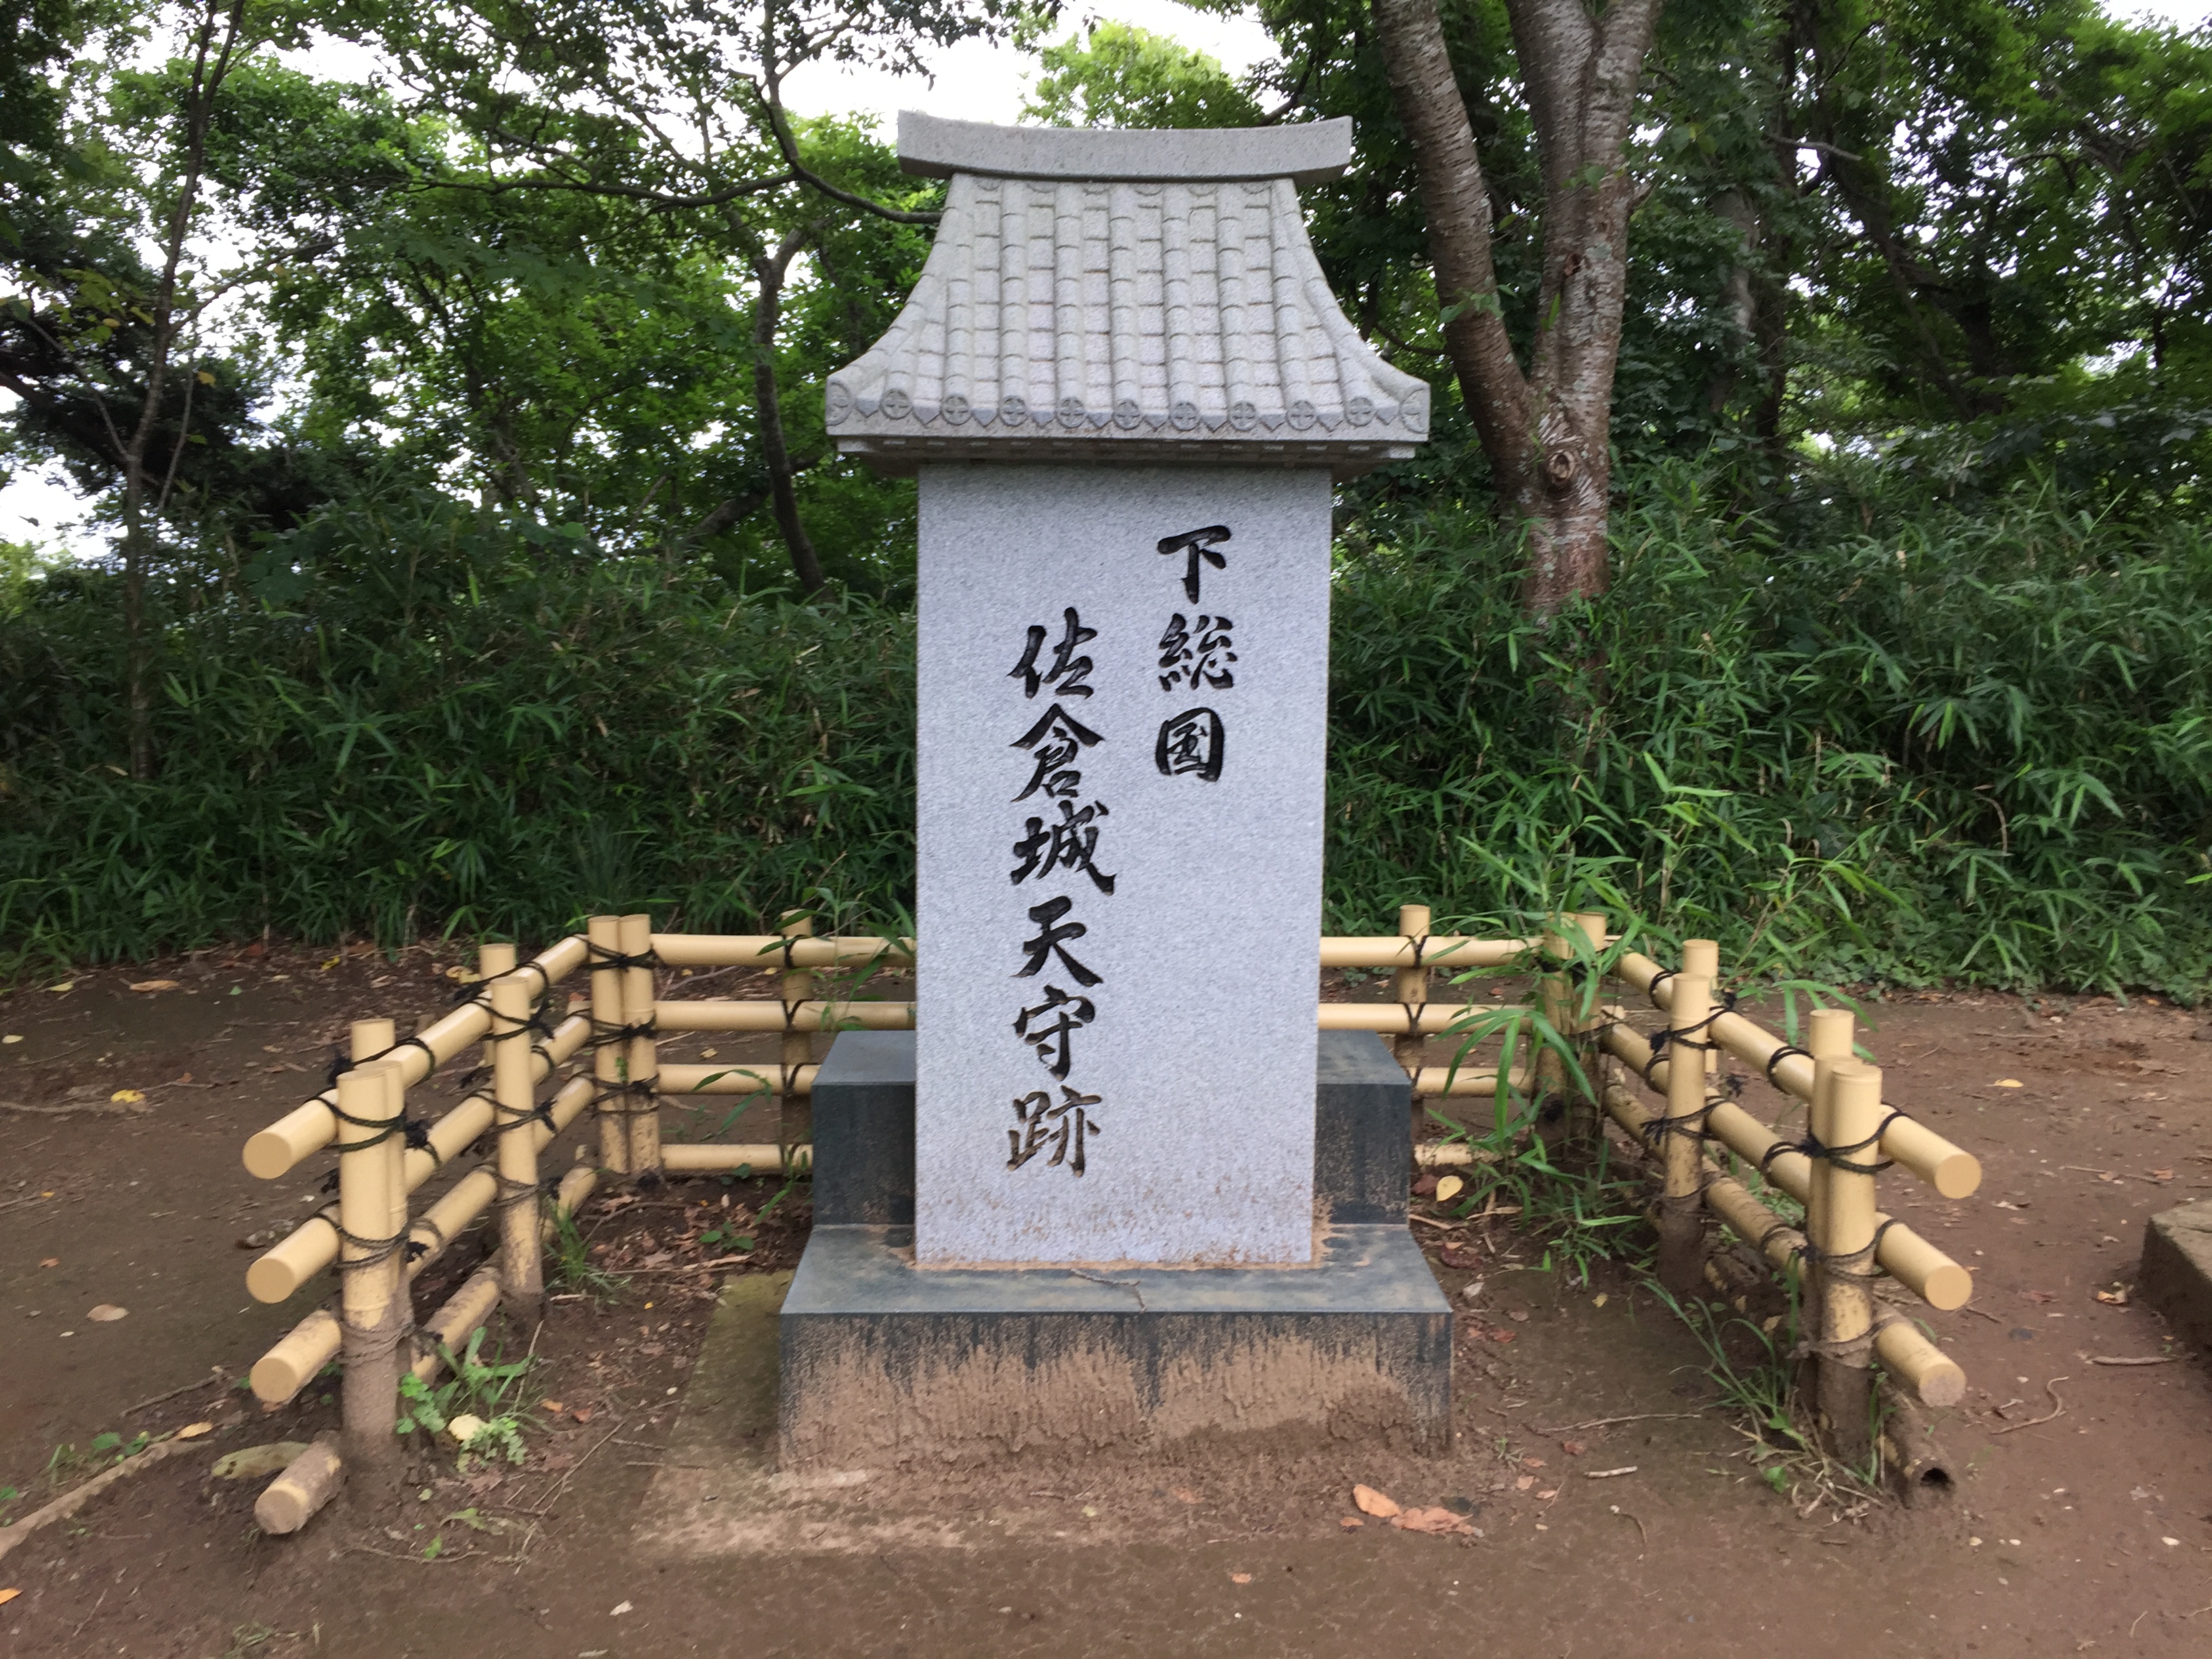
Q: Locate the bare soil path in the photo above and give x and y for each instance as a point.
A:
(2088, 1532)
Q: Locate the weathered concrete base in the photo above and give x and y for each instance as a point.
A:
(2177, 1269)
(884, 1362)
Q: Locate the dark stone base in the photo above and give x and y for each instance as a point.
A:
(885, 1362)
(2177, 1269)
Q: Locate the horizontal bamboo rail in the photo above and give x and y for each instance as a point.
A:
(768, 951)
(277, 1274)
(760, 1014)
(699, 1157)
(1951, 1170)
(1433, 1019)
(712, 1158)
(313, 1125)
(296, 1361)
(1933, 1375)
(471, 1305)
(1904, 1254)
(1445, 951)
(749, 1078)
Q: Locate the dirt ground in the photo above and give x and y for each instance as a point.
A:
(1617, 1509)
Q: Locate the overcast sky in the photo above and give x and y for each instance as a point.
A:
(972, 82)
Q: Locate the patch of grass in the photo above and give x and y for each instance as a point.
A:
(475, 1387)
(572, 1267)
(1753, 1368)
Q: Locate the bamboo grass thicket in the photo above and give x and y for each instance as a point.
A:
(1924, 746)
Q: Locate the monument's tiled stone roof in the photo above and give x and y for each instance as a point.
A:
(1143, 317)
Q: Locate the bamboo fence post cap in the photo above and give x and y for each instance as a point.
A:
(1701, 958)
(1829, 1033)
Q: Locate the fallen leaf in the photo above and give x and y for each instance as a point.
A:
(618, 1609)
(1371, 1502)
(180, 1080)
(156, 985)
(1598, 1301)
(1350, 1523)
(66, 984)
(1532, 1462)
(2162, 1175)
(107, 1314)
(13, 1036)
(1184, 1495)
(2112, 1298)
(1424, 1186)
(52, 1261)
(255, 1462)
(583, 1416)
(1240, 1577)
(465, 1427)
(1518, 1315)
(1449, 1188)
(126, 1096)
(553, 1406)
(1440, 1523)
(1501, 1334)
(2040, 1296)
(1523, 1482)
(1454, 1255)
(2008, 1083)
(707, 1054)
(7, 1596)
(1573, 1448)
(1549, 1496)
(194, 1430)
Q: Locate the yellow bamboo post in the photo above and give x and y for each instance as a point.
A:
(521, 1271)
(795, 1124)
(1681, 1151)
(1409, 988)
(373, 1222)
(1701, 959)
(368, 1039)
(643, 1097)
(609, 1062)
(1829, 1034)
(495, 959)
(1848, 1123)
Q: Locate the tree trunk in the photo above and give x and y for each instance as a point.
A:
(135, 454)
(1545, 430)
(775, 450)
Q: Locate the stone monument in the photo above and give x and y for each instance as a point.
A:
(1113, 1189)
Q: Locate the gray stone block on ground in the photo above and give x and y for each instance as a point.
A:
(2177, 1268)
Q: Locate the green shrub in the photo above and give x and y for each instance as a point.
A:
(1949, 742)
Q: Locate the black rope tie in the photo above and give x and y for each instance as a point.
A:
(602, 955)
(341, 1064)
(1838, 1157)
(1778, 1056)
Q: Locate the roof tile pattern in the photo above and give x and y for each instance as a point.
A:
(1065, 315)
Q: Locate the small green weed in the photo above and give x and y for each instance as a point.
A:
(572, 1268)
(476, 1387)
(1753, 1368)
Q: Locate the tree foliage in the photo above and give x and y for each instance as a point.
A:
(510, 358)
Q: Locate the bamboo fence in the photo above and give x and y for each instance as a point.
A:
(537, 1075)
